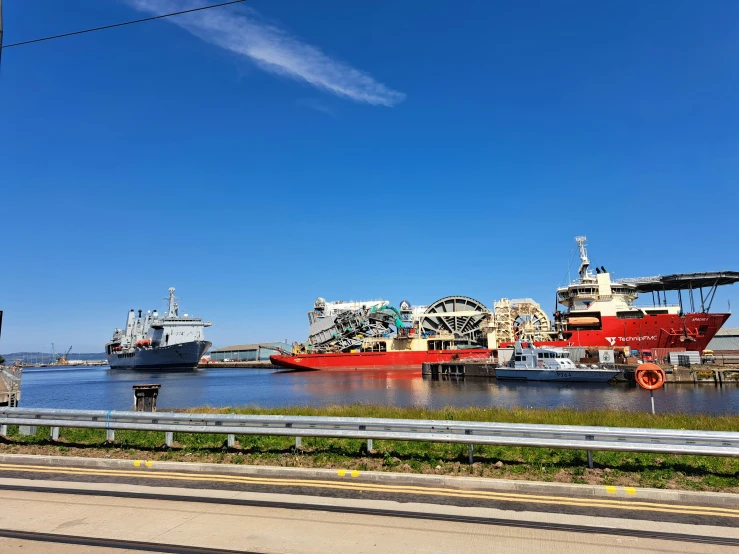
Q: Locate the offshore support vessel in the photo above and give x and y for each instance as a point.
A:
(151, 342)
(348, 336)
(600, 312)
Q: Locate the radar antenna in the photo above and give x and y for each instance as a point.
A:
(584, 261)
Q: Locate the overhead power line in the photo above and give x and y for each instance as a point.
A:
(115, 24)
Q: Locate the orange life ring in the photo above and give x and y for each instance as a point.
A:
(649, 376)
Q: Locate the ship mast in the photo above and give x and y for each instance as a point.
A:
(584, 260)
(173, 308)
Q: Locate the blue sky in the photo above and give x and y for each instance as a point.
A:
(260, 156)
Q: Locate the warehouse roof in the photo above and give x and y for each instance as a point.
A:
(727, 338)
(242, 347)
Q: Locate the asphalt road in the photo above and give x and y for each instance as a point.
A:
(71, 505)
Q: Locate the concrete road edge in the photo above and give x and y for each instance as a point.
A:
(388, 478)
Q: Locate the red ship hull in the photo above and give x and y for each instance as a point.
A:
(692, 332)
(368, 361)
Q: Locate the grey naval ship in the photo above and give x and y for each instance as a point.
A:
(159, 343)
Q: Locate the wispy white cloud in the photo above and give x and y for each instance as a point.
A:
(243, 31)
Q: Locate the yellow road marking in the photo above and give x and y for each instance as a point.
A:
(397, 489)
(136, 463)
(149, 464)
(355, 473)
(630, 490)
(341, 472)
(611, 490)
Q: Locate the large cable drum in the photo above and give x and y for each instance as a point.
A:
(460, 315)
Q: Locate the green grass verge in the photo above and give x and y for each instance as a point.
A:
(542, 464)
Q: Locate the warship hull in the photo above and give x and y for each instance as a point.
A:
(183, 356)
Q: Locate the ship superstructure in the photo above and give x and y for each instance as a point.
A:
(153, 342)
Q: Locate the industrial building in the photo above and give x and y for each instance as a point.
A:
(725, 341)
(248, 352)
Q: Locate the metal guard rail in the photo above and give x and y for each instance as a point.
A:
(573, 437)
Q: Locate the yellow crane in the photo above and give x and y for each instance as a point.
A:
(63, 359)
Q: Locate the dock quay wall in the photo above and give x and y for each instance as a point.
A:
(261, 364)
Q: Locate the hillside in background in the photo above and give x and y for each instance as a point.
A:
(45, 357)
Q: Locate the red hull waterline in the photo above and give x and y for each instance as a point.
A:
(692, 332)
(368, 361)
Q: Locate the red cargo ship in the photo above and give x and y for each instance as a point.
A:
(406, 351)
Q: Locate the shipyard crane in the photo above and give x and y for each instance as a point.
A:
(63, 358)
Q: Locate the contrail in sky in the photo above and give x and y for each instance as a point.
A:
(243, 31)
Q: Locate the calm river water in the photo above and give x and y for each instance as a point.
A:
(105, 389)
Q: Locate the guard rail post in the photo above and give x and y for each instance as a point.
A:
(109, 435)
(298, 443)
(369, 445)
(55, 433)
(4, 430)
(470, 448)
(590, 452)
(168, 438)
(231, 441)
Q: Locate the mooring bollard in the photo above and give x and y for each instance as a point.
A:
(145, 397)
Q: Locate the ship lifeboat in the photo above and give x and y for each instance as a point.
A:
(142, 343)
(583, 321)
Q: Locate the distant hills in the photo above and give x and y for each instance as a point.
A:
(37, 357)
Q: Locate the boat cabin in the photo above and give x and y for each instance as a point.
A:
(528, 356)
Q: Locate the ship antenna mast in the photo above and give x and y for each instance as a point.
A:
(584, 261)
(173, 308)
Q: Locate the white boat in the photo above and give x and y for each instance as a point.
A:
(530, 363)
